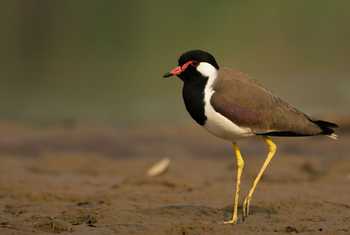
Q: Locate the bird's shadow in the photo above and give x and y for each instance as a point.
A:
(227, 211)
(195, 212)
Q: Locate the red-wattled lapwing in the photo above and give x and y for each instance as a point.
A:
(229, 105)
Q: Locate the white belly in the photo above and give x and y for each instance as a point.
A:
(222, 127)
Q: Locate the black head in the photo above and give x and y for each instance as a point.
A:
(199, 56)
(188, 62)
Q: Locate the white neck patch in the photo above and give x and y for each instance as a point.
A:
(207, 70)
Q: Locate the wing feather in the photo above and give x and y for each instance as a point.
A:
(248, 104)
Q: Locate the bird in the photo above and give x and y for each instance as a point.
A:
(231, 106)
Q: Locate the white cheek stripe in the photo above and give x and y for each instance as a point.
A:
(216, 123)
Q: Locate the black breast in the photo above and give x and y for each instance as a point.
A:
(193, 95)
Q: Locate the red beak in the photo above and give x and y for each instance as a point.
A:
(178, 70)
(175, 71)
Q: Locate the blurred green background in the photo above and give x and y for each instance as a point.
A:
(103, 60)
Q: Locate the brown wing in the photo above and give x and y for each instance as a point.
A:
(248, 104)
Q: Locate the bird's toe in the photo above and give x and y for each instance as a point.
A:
(246, 205)
(232, 221)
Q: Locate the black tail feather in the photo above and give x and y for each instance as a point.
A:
(326, 127)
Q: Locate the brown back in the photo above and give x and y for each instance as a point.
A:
(248, 104)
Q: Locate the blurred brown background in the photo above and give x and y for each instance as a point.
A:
(103, 60)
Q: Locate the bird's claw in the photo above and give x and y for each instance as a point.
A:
(232, 221)
(246, 205)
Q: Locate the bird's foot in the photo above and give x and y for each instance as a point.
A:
(232, 221)
(246, 205)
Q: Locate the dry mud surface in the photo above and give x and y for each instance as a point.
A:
(83, 180)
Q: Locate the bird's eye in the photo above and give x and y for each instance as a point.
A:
(195, 63)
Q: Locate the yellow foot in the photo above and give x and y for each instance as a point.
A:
(232, 221)
(246, 205)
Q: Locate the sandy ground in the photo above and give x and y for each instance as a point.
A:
(83, 180)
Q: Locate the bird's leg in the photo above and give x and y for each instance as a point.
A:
(239, 167)
(272, 150)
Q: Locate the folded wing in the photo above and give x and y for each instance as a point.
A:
(248, 104)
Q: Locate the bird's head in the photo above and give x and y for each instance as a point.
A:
(194, 63)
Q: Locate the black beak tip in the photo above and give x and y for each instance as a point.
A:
(168, 74)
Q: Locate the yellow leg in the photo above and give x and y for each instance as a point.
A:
(239, 167)
(272, 150)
